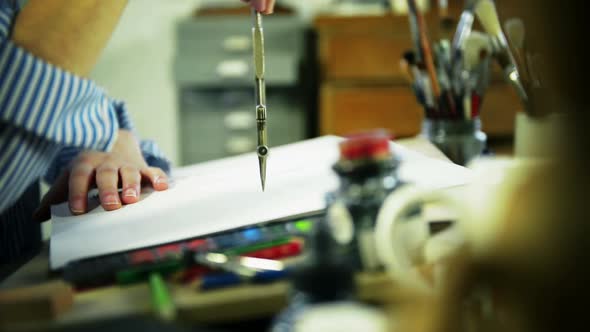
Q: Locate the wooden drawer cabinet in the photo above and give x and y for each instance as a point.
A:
(363, 58)
(362, 86)
(499, 110)
(362, 48)
(349, 109)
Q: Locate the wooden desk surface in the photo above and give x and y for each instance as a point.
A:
(235, 303)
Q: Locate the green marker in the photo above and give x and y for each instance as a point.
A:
(304, 226)
(161, 300)
(142, 273)
(255, 247)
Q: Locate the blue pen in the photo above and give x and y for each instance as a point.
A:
(220, 280)
(246, 237)
(252, 235)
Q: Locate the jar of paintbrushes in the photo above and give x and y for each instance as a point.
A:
(450, 78)
(461, 140)
(452, 115)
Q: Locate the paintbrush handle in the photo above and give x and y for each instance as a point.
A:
(415, 30)
(427, 53)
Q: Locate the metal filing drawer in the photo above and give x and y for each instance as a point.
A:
(215, 78)
(221, 123)
(232, 35)
(226, 71)
(217, 51)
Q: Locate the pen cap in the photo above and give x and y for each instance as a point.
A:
(326, 275)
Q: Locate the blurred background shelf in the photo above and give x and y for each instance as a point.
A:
(214, 75)
(184, 69)
(363, 87)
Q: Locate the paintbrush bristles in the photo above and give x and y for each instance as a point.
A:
(515, 32)
(475, 43)
(488, 16)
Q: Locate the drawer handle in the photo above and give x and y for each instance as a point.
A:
(239, 144)
(237, 43)
(233, 69)
(239, 120)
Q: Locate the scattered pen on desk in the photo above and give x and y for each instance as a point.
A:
(262, 149)
(291, 249)
(162, 301)
(238, 269)
(243, 266)
(243, 250)
(220, 280)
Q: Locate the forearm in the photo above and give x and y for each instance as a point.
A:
(69, 34)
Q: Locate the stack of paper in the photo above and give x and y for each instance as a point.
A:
(225, 194)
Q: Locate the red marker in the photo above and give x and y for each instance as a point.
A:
(142, 256)
(293, 248)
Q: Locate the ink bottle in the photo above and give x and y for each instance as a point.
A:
(367, 170)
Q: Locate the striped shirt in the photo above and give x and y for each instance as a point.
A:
(47, 116)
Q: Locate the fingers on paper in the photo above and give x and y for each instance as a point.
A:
(130, 184)
(107, 182)
(80, 181)
(156, 177)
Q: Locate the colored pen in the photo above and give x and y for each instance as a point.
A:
(220, 280)
(290, 249)
(143, 272)
(237, 251)
(300, 227)
(162, 302)
(243, 266)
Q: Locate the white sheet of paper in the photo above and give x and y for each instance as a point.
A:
(225, 194)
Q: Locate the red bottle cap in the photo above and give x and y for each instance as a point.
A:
(367, 145)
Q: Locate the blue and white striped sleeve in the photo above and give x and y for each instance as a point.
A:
(46, 113)
(150, 150)
(49, 102)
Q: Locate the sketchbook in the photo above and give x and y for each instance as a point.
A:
(225, 194)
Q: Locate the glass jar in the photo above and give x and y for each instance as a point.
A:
(459, 139)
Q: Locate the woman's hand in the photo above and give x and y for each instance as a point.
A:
(123, 167)
(263, 6)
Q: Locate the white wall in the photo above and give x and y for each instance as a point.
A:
(136, 67)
